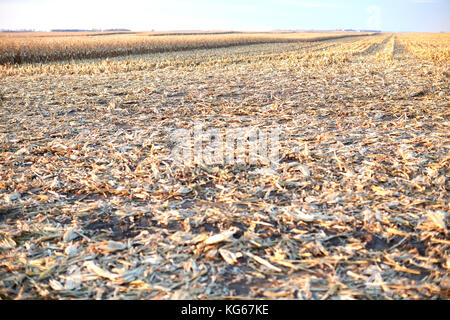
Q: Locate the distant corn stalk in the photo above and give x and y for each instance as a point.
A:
(47, 47)
(387, 54)
(343, 53)
(433, 47)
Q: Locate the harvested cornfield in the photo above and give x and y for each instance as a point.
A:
(355, 205)
(19, 48)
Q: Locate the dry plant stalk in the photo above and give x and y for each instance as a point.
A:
(93, 205)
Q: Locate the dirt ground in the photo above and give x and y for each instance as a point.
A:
(92, 206)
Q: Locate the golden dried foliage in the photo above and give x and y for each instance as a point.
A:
(46, 47)
(93, 206)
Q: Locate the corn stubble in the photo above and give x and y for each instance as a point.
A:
(93, 207)
(41, 47)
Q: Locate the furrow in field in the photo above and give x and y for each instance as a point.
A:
(199, 57)
(427, 47)
(39, 50)
(375, 47)
(399, 48)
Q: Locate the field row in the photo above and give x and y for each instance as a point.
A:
(431, 47)
(18, 50)
(301, 53)
(290, 53)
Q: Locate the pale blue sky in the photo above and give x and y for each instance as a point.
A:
(386, 15)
